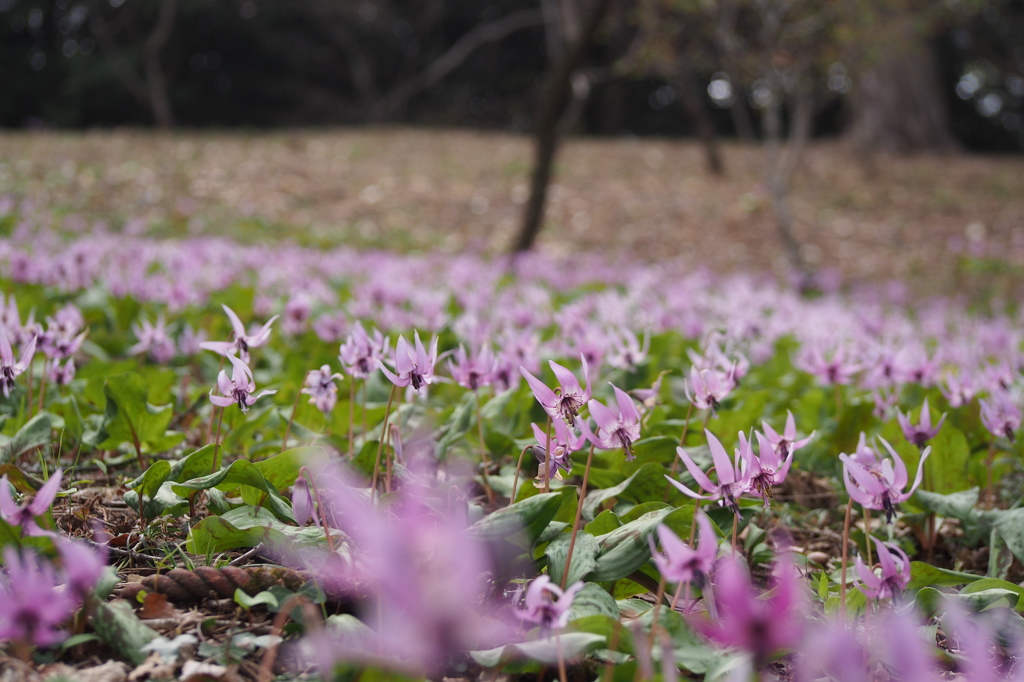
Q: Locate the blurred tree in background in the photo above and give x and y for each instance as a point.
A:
(899, 75)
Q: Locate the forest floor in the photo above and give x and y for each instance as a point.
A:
(939, 223)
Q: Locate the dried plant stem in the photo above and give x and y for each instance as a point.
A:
(288, 429)
(42, 390)
(29, 402)
(515, 479)
(277, 629)
(609, 666)
(383, 437)
(319, 506)
(682, 443)
(735, 528)
(484, 461)
(846, 556)
(579, 515)
(389, 455)
(363, 391)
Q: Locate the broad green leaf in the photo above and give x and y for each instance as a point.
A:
(947, 465)
(647, 483)
(923, 575)
(626, 548)
(584, 555)
(990, 587)
(130, 418)
(571, 644)
(529, 517)
(122, 630)
(605, 522)
(245, 527)
(456, 427)
(592, 600)
(241, 473)
(35, 433)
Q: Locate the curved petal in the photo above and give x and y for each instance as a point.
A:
(724, 467)
(9, 510)
(899, 468)
(870, 583)
(392, 377)
(702, 479)
(261, 336)
(545, 396)
(686, 491)
(605, 418)
(566, 379)
(220, 347)
(627, 407)
(917, 478)
(221, 401)
(6, 352)
(26, 355)
(236, 324)
(45, 495)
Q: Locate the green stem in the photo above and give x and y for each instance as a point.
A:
(485, 463)
(846, 555)
(383, 436)
(579, 515)
(288, 429)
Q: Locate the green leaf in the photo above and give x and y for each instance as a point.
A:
(647, 483)
(116, 623)
(246, 527)
(35, 433)
(456, 427)
(605, 522)
(129, 418)
(262, 599)
(626, 548)
(947, 466)
(572, 644)
(923, 575)
(529, 517)
(593, 600)
(584, 557)
(991, 585)
(241, 473)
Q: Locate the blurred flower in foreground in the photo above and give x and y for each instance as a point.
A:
(680, 563)
(25, 515)
(420, 575)
(31, 607)
(895, 573)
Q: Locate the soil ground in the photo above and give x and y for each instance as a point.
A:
(938, 223)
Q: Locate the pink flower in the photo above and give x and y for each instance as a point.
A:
(680, 563)
(547, 605)
(922, 432)
(563, 443)
(765, 470)
(238, 389)
(32, 609)
(785, 444)
(566, 400)
(707, 388)
(321, 389)
(414, 368)
(759, 626)
(616, 428)
(8, 367)
(25, 515)
(732, 480)
(360, 352)
(881, 487)
(1000, 415)
(243, 341)
(895, 573)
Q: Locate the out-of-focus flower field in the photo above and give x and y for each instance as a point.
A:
(291, 458)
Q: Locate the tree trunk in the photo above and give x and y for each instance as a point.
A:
(553, 104)
(692, 99)
(898, 105)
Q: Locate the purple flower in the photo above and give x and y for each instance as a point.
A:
(732, 481)
(297, 312)
(567, 399)
(923, 431)
(563, 443)
(1000, 414)
(31, 607)
(320, 386)
(786, 443)
(625, 350)
(360, 352)
(83, 565)
(190, 341)
(238, 389)
(881, 487)
(8, 367)
(302, 502)
(414, 368)
(680, 563)
(242, 341)
(616, 428)
(61, 375)
(547, 605)
(765, 470)
(833, 369)
(757, 625)
(707, 388)
(895, 573)
(25, 515)
(475, 370)
(153, 339)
